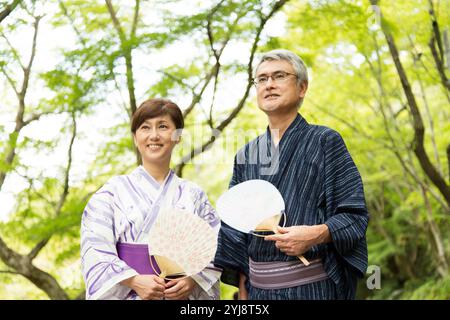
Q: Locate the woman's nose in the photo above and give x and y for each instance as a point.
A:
(154, 134)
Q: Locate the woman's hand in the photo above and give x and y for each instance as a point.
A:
(179, 289)
(148, 287)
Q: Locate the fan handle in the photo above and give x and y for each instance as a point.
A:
(274, 225)
(163, 274)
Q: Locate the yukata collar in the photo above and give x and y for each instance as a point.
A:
(299, 123)
(141, 170)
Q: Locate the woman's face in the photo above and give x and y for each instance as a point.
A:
(155, 139)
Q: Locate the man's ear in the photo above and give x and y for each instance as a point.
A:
(303, 87)
(134, 140)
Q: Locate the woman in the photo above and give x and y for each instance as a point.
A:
(119, 216)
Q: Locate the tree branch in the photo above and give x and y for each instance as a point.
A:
(27, 69)
(9, 8)
(448, 160)
(37, 116)
(418, 142)
(23, 266)
(436, 40)
(439, 63)
(431, 125)
(135, 20)
(217, 54)
(126, 48)
(393, 146)
(35, 251)
(115, 21)
(442, 264)
(13, 50)
(21, 109)
(218, 130)
(180, 81)
(72, 22)
(11, 82)
(197, 96)
(436, 30)
(10, 272)
(209, 29)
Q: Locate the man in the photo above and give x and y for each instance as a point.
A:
(326, 215)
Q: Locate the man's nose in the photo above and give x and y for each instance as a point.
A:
(270, 83)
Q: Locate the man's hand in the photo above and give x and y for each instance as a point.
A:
(148, 287)
(179, 289)
(296, 240)
(242, 294)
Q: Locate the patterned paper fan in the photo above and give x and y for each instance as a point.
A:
(253, 205)
(182, 243)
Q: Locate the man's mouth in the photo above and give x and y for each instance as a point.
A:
(270, 96)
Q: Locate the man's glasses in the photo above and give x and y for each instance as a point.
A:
(277, 77)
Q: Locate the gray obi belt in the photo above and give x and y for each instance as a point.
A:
(285, 274)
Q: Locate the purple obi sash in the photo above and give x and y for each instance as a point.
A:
(137, 257)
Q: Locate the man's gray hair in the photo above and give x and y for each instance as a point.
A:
(289, 56)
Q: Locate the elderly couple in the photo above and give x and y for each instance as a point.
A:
(316, 176)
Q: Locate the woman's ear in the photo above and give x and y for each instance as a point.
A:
(176, 135)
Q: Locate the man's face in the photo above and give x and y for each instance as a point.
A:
(279, 97)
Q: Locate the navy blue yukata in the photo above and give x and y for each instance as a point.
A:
(319, 182)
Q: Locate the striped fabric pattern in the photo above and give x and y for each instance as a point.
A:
(320, 183)
(285, 274)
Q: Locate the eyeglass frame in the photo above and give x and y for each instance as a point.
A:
(271, 76)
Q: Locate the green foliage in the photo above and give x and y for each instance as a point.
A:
(227, 292)
(434, 288)
(354, 88)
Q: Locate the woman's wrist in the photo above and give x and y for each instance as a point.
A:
(129, 282)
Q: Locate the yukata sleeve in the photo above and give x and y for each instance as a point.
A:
(345, 204)
(232, 254)
(102, 269)
(208, 284)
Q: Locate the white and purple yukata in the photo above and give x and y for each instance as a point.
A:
(123, 212)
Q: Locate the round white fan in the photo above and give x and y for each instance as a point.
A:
(247, 204)
(182, 243)
(252, 206)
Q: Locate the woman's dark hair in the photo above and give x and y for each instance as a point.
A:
(153, 108)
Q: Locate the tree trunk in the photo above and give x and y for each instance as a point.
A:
(23, 265)
(419, 131)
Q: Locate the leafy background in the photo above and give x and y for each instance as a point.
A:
(73, 71)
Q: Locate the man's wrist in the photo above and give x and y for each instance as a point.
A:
(324, 234)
